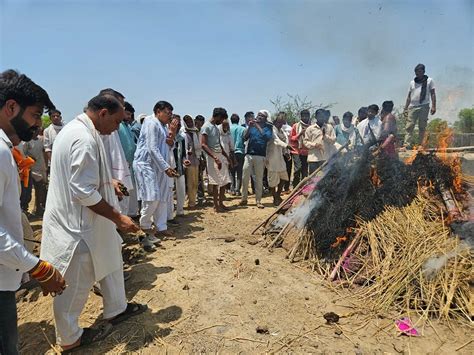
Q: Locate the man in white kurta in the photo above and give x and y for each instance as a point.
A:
(81, 217)
(118, 165)
(51, 132)
(370, 128)
(153, 171)
(277, 174)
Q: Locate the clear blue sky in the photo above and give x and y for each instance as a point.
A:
(240, 54)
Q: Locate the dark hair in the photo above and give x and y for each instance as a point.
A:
(176, 116)
(220, 112)
(305, 112)
(420, 66)
(52, 112)
(109, 102)
(347, 114)
(387, 106)
(327, 113)
(249, 114)
(363, 109)
(280, 114)
(319, 111)
(234, 118)
(112, 92)
(373, 107)
(128, 107)
(161, 105)
(199, 118)
(18, 87)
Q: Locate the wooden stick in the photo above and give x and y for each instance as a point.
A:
(297, 245)
(285, 227)
(464, 345)
(205, 328)
(346, 252)
(299, 187)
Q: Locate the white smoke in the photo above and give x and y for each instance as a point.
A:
(299, 214)
(436, 263)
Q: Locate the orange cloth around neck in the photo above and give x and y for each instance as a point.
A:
(24, 165)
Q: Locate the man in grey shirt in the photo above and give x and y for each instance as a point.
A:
(216, 157)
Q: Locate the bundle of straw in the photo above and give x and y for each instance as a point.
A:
(408, 260)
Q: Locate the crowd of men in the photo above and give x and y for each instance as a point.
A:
(107, 171)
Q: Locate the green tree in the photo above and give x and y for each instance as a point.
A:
(465, 123)
(293, 104)
(437, 125)
(46, 120)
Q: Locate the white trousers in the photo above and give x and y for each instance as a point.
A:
(180, 184)
(253, 165)
(133, 203)
(154, 212)
(79, 278)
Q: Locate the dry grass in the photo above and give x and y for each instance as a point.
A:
(391, 263)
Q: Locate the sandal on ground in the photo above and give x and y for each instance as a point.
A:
(243, 203)
(132, 309)
(91, 335)
(260, 205)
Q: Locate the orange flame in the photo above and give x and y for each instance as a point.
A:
(374, 177)
(444, 140)
(339, 241)
(411, 158)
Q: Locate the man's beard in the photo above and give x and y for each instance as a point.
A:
(22, 129)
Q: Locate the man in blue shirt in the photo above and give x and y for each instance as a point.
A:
(237, 133)
(258, 133)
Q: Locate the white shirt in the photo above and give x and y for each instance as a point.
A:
(35, 149)
(118, 162)
(152, 158)
(375, 125)
(74, 185)
(320, 148)
(275, 160)
(415, 92)
(50, 134)
(14, 258)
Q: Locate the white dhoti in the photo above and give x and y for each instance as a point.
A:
(275, 177)
(80, 279)
(133, 203)
(218, 177)
(154, 212)
(180, 184)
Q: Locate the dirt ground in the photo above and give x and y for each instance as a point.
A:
(206, 295)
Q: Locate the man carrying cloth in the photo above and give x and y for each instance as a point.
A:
(80, 222)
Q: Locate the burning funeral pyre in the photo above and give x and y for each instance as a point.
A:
(398, 229)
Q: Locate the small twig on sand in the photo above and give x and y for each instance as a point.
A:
(464, 345)
(296, 338)
(246, 339)
(50, 344)
(344, 333)
(205, 328)
(179, 321)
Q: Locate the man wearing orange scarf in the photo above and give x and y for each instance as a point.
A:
(22, 103)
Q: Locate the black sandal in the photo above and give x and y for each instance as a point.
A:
(132, 309)
(91, 335)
